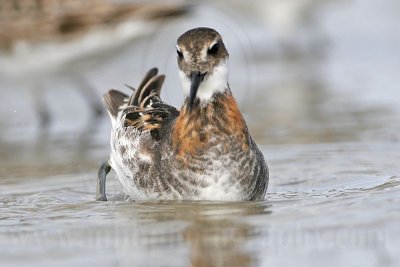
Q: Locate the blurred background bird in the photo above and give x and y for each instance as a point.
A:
(51, 40)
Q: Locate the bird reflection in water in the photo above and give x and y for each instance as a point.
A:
(213, 232)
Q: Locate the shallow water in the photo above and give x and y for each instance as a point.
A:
(339, 201)
(328, 125)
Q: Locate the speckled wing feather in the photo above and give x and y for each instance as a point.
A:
(144, 109)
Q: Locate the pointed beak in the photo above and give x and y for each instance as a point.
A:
(196, 78)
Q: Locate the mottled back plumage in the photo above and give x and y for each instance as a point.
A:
(143, 109)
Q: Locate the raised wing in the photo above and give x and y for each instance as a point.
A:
(144, 109)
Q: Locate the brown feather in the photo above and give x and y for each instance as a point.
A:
(153, 85)
(133, 100)
(146, 100)
(113, 99)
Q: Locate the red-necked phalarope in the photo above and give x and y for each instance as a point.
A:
(203, 152)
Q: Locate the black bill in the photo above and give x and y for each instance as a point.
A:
(196, 79)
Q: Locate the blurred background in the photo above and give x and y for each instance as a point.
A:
(317, 81)
(302, 71)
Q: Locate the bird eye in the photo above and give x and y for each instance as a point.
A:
(213, 49)
(180, 54)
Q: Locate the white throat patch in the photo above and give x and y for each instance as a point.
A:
(216, 82)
